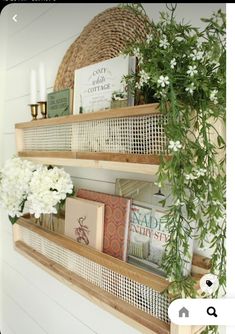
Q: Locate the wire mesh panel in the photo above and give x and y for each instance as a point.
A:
(129, 135)
(48, 138)
(136, 294)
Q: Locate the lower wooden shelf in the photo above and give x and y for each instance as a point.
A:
(129, 167)
(130, 293)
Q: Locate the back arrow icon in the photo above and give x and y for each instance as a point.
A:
(14, 18)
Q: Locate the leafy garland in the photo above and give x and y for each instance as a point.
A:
(183, 69)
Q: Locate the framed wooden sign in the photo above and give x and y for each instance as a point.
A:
(60, 103)
(95, 85)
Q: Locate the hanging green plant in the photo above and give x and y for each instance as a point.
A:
(183, 69)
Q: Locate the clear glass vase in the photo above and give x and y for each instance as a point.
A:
(48, 222)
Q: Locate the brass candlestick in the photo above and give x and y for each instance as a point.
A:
(34, 111)
(43, 108)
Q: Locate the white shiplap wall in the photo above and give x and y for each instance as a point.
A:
(31, 300)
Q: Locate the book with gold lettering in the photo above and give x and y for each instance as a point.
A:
(94, 85)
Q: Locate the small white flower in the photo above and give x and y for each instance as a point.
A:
(190, 88)
(138, 55)
(144, 77)
(163, 94)
(136, 52)
(200, 172)
(199, 44)
(213, 96)
(190, 176)
(192, 70)
(149, 38)
(163, 81)
(215, 65)
(196, 55)
(163, 43)
(173, 63)
(178, 203)
(216, 203)
(174, 145)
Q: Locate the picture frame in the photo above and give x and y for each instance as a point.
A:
(60, 103)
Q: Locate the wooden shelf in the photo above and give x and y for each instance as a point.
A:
(141, 110)
(120, 307)
(91, 163)
(127, 162)
(129, 311)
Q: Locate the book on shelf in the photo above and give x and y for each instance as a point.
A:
(116, 221)
(84, 222)
(148, 226)
(60, 103)
(96, 84)
(148, 236)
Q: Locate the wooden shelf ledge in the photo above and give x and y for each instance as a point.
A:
(129, 167)
(133, 316)
(43, 131)
(141, 110)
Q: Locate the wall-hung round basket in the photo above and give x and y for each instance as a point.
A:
(104, 37)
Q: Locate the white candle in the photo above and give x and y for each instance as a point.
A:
(42, 83)
(33, 87)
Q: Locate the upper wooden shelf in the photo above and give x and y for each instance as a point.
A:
(127, 139)
(141, 110)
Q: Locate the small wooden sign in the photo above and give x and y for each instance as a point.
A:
(60, 103)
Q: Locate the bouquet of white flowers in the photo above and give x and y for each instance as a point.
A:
(39, 188)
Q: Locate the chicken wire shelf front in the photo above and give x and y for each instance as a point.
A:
(132, 134)
(130, 293)
(120, 284)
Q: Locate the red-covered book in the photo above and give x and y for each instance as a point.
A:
(116, 221)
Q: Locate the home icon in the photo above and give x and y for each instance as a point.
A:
(183, 313)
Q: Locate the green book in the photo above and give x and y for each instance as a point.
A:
(59, 103)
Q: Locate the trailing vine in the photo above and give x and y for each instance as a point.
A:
(183, 69)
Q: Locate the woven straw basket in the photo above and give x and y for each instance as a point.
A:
(103, 38)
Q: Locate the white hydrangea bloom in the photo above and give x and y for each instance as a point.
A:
(192, 70)
(14, 185)
(174, 145)
(46, 189)
(36, 186)
(163, 81)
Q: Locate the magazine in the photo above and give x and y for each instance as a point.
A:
(148, 225)
(148, 236)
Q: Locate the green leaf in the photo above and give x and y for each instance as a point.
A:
(13, 220)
